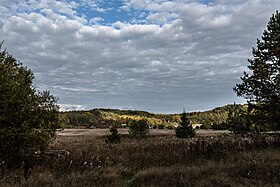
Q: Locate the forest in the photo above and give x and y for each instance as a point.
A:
(104, 118)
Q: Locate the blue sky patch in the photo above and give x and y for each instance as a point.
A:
(109, 11)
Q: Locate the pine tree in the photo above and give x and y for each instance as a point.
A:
(261, 86)
(185, 129)
(114, 136)
(28, 118)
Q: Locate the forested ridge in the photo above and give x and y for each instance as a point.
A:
(103, 118)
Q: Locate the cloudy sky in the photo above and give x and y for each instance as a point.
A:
(154, 55)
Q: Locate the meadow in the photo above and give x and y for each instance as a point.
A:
(212, 158)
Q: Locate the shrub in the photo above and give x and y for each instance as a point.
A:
(160, 126)
(205, 126)
(239, 121)
(169, 127)
(139, 128)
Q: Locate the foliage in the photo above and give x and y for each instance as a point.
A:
(114, 136)
(103, 118)
(214, 119)
(261, 87)
(238, 121)
(28, 118)
(158, 161)
(222, 126)
(139, 128)
(185, 129)
(63, 121)
(205, 126)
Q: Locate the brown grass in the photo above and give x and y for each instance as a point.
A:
(161, 159)
(103, 132)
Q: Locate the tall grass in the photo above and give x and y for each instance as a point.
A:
(157, 161)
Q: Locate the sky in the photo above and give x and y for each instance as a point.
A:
(155, 55)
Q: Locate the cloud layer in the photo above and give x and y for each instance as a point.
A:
(162, 57)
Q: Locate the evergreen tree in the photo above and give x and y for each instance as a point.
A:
(114, 136)
(185, 129)
(261, 87)
(28, 118)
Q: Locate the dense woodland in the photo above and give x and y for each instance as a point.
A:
(103, 118)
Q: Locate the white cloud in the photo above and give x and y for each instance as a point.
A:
(75, 89)
(71, 107)
(96, 20)
(94, 5)
(161, 17)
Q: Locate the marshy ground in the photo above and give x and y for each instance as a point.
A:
(213, 158)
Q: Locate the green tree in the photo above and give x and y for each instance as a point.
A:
(238, 120)
(28, 118)
(261, 87)
(139, 128)
(185, 129)
(114, 136)
(64, 121)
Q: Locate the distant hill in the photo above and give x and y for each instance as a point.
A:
(103, 118)
(215, 118)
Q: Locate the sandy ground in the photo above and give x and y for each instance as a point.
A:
(102, 132)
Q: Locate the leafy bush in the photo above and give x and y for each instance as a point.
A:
(160, 126)
(222, 126)
(169, 127)
(239, 121)
(205, 126)
(139, 128)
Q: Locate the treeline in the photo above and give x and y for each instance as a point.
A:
(103, 118)
(216, 118)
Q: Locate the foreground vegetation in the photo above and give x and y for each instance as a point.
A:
(158, 160)
(28, 117)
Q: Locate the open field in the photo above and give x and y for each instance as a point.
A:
(214, 158)
(124, 131)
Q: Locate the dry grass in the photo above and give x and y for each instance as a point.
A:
(161, 159)
(103, 132)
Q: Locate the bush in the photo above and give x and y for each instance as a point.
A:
(114, 136)
(239, 121)
(139, 128)
(169, 127)
(221, 126)
(205, 126)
